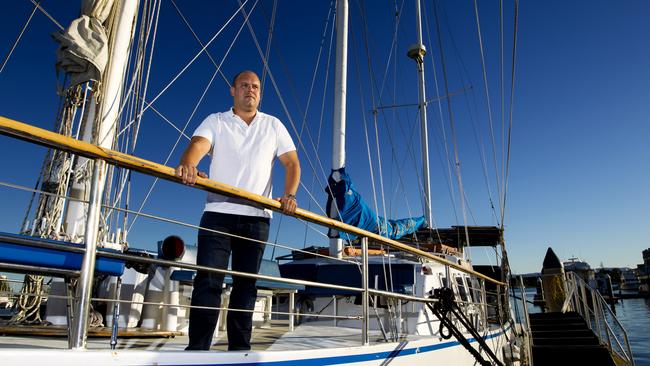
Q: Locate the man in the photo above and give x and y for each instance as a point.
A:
(244, 144)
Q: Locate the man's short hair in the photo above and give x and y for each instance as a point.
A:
(234, 79)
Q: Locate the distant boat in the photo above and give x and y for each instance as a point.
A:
(582, 269)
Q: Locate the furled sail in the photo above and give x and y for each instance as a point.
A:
(83, 46)
(351, 209)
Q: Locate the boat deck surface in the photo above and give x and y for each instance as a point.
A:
(274, 338)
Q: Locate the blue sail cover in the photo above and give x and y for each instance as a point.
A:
(354, 211)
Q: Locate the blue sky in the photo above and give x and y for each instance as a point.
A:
(579, 167)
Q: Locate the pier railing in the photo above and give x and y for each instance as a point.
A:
(589, 303)
(523, 318)
(103, 156)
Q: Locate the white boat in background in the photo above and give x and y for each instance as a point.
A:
(366, 300)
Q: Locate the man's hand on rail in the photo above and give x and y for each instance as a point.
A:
(288, 203)
(188, 174)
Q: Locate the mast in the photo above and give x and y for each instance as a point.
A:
(107, 121)
(102, 120)
(338, 125)
(417, 52)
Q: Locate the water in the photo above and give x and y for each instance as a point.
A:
(634, 315)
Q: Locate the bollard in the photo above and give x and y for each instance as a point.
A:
(553, 282)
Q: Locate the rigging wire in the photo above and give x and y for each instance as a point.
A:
(481, 147)
(316, 67)
(464, 77)
(512, 96)
(388, 277)
(182, 71)
(159, 114)
(502, 87)
(150, 15)
(38, 5)
(325, 87)
(365, 128)
(268, 46)
(394, 161)
(471, 111)
(477, 134)
(392, 51)
(443, 131)
(20, 36)
(196, 37)
(365, 123)
(452, 124)
(198, 103)
(487, 97)
(375, 91)
(373, 87)
(140, 101)
(245, 22)
(172, 221)
(286, 110)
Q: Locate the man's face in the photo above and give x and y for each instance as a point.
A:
(246, 92)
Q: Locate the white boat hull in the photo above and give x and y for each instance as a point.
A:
(414, 352)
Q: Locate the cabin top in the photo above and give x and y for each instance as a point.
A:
(455, 237)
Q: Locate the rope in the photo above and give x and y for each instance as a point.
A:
(55, 170)
(28, 307)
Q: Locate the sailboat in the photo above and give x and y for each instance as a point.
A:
(383, 292)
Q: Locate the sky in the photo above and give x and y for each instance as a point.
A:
(578, 176)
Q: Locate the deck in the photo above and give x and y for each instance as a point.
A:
(274, 338)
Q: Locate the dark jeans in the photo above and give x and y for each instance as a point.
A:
(213, 251)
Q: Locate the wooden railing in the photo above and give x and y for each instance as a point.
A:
(51, 139)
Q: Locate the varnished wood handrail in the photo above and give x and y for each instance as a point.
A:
(51, 139)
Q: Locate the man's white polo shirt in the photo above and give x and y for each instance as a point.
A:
(243, 156)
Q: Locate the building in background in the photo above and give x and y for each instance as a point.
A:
(643, 271)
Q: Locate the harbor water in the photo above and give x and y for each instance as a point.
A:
(634, 315)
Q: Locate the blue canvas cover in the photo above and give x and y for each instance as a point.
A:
(354, 211)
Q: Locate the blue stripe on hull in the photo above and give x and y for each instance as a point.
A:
(338, 360)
